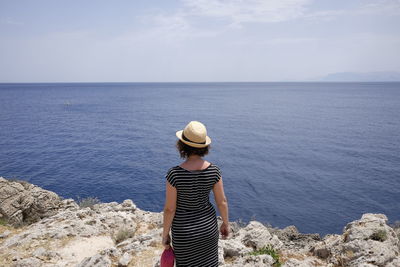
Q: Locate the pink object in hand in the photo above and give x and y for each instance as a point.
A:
(168, 258)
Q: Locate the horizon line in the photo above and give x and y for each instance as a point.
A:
(299, 81)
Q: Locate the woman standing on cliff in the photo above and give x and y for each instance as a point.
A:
(188, 211)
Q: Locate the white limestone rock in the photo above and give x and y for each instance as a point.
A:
(234, 248)
(22, 202)
(28, 262)
(256, 235)
(125, 259)
(370, 240)
(5, 234)
(97, 260)
(394, 263)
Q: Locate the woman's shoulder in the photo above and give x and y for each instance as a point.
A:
(216, 167)
(173, 168)
(178, 168)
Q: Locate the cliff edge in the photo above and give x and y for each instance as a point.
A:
(39, 228)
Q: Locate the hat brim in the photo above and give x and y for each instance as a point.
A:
(179, 135)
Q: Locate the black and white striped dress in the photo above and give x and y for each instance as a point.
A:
(194, 227)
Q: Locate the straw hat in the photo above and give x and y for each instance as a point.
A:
(194, 134)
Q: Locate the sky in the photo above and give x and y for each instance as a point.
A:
(195, 40)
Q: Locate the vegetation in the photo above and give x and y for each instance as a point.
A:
(123, 234)
(88, 202)
(269, 249)
(380, 235)
(3, 221)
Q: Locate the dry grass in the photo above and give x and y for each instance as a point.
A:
(123, 234)
(13, 230)
(88, 202)
(5, 259)
(146, 257)
(151, 226)
(286, 256)
(301, 257)
(65, 241)
(141, 228)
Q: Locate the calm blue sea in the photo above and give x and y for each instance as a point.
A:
(316, 155)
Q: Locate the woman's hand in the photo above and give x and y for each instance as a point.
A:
(224, 229)
(166, 241)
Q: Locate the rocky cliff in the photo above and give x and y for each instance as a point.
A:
(38, 228)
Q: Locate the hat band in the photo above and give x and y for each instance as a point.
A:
(186, 139)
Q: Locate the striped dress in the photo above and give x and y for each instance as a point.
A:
(194, 227)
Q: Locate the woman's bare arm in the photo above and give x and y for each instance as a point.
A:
(169, 208)
(221, 200)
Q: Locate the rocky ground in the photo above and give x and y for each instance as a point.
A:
(38, 228)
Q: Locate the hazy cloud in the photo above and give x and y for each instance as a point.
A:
(10, 21)
(199, 40)
(386, 7)
(239, 11)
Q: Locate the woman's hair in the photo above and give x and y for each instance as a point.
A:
(185, 150)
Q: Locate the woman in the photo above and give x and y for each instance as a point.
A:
(188, 211)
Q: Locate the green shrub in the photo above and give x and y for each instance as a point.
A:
(123, 234)
(380, 235)
(87, 202)
(269, 249)
(3, 221)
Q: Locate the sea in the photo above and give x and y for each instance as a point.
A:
(316, 155)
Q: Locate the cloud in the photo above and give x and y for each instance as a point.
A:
(181, 24)
(241, 11)
(276, 41)
(326, 15)
(168, 28)
(386, 7)
(376, 7)
(272, 11)
(10, 21)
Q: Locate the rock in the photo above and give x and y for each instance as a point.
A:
(22, 202)
(394, 263)
(129, 246)
(69, 204)
(370, 240)
(234, 248)
(125, 259)
(112, 252)
(256, 235)
(321, 251)
(366, 241)
(5, 234)
(308, 262)
(97, 260)
(84, 237)
(39, 252)
(327, 247)
(293, 240)
(128, 204)
(85, 213)
(258, 261)
(28, 262)
(288, 233)
(221, 260)
(44, 254)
